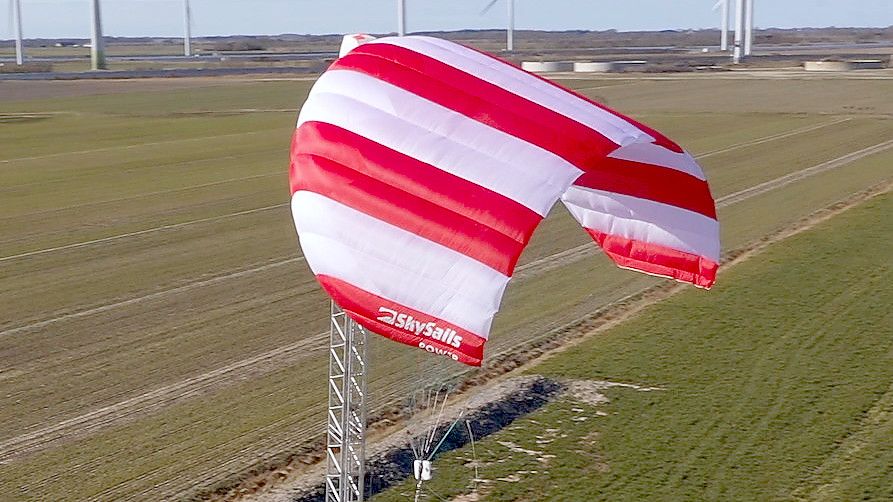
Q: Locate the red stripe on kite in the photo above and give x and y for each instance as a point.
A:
(403, 324)
(480, 100)
(405, 210)
(408, 174)
(658, 260)
(659, 139)
(648, 181)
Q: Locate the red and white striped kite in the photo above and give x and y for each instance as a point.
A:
(420, 168)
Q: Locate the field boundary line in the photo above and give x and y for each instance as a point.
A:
(150, 296)
(730, 148)
(140, 232)
(128, 147)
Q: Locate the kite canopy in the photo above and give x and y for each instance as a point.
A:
(420, 168)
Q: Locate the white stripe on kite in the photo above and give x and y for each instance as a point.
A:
(338, 241)
(524, 85)
(644, 220)
(438, 136)
(651, 153)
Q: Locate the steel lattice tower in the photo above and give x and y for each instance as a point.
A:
(346, 432)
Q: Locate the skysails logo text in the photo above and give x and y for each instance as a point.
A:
(429, 329)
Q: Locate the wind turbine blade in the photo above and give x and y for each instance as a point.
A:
(719, 3)
(488, 7)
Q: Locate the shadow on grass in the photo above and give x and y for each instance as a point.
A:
(394, 466)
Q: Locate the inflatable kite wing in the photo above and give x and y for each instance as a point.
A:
(420, 168)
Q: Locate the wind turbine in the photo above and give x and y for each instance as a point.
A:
(187, 29)
(97, 50)
(724, 41)
(510, 31)
(15, 15)
(401, 18)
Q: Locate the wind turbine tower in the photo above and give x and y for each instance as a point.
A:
(738, 50)
(401, 18)
(724, 41)
(17, 17)
(510, 32)
(748, 28)
(743, 30)
(97, 50)
(187, 29)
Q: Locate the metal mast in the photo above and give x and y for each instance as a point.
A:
(346, 432)
(97, 51)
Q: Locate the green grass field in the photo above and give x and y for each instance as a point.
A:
(159, 334)
(777, 385)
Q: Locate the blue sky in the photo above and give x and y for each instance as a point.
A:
(70, 18)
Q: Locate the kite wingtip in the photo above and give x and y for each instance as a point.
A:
(352, 41)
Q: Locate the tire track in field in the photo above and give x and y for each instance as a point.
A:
(804, 173)
(167, 395)
(824, 479)
(151, 296)
(121, 488)
(10, 188)
(727, 149)
(112, 238)
(773, 137)
(279, 357)
(245, 458)
(136, 145)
